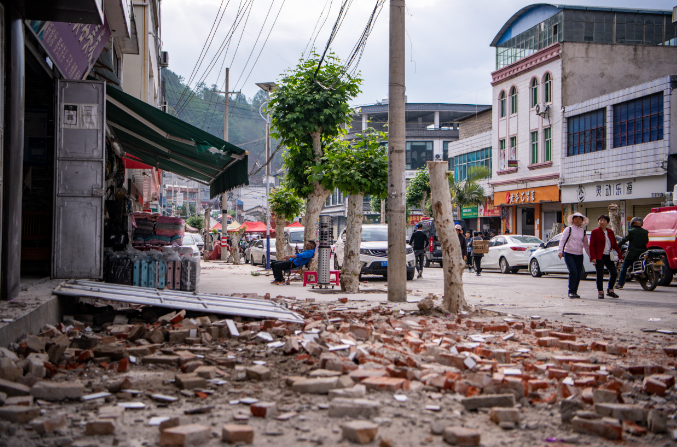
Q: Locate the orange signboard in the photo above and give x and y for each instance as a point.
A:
(527, 196)
(413, 219)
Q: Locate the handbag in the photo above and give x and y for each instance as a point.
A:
(613, 255)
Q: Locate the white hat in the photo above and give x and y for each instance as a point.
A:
(458, 227)
(570, 219)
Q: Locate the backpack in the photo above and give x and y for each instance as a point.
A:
(568, 236)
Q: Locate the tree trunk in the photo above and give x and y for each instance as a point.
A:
(616, 221)
(313, 209)
(454, 297)
(424, 209)
(350, 274)
(280, 245)
(235, 248)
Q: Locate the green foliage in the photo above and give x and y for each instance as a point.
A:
(303, 105)
(231, 213)
(284, 202)
(469, 192)
(196, 222)
(375, 204)
(246, 129)
(358, 168)
(418, 188)
(186, 211)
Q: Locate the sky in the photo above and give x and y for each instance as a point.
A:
(449, 59)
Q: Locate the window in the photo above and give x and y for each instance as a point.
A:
(445, 155)
(639, 120)
(547, 144)
(513, 149)
(501, 153)
(462, 163)
(501, 105)
(418, 153)
(513, 101)
(547, 88)
(586, 133)
(534, 147)
(534, 92)
(530, 41)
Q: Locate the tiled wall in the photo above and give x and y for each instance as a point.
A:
(623, 162)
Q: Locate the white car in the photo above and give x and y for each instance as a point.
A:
(545, 260)
(510, 253)
(294, 238)
(257, 252)
(373, 252)
(189, 246)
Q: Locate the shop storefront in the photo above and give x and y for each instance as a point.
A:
(484, 217)
(634, 196)
(529, 211)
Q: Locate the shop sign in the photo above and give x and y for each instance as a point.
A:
(622, 189)
(468, 212)
(415, 218)
(512, 163)
(487, 209)
(527, 196)
(73, 47)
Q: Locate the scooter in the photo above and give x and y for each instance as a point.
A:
(648, 269)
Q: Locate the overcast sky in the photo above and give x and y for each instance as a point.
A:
(448, 54)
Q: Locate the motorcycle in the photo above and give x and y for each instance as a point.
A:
(648, 269)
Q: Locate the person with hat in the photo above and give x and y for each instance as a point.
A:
(638, 239)
(419, 242)
(461, 240)
(574, 241)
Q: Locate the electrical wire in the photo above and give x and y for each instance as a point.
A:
(315, 27)
(256, 42)
(337, 25)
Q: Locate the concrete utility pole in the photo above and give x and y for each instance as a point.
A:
(397, 257)
(267, 87)
(224, 195)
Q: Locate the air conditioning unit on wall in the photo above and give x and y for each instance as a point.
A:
(164, 59)
(542, 109)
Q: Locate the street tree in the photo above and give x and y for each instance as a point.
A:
(418, 191)
(309, 110)
(356, 170)
(454, 296)
(469, 192)
(286, 205)
(197, 222)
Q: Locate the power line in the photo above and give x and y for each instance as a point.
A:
(337, 25)
(315, 27)
(255, 43)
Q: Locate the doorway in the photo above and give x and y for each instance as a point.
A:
(526, 219)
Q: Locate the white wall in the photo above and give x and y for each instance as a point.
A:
(624, 162)
(141, 76)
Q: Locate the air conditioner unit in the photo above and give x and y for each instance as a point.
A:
(542, 109)
(164, 59)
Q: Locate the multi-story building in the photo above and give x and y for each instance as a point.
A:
(550, 60)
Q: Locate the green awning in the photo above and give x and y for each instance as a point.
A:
(170, 144)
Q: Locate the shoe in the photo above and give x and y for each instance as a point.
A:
(600, 295)
(478, 274)
(619, 286)
(420, 275)
(612, 295)
(280, 283)
(574, 296)
(274, 281)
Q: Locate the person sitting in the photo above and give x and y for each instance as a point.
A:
(297, 260)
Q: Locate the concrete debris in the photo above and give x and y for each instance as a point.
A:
(120, 374)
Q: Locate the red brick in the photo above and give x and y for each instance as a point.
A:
(667, 379)
(461, 436)
(599, 346)
(535, 385)
(541, 333)
(364, 373)
(587, 395)
(264, 409)
(584, 367)
(547, 341)
(563, 336)
(606, 427)
(386, 383)
(234, 434)
(123, 365)
(567, 329)
(670, 351)
(496, 328)
(653, 386)
(585, 382)
(185, 435)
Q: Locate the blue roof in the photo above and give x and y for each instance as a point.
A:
(532, 15)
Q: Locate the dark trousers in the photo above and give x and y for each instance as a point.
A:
(477, 261)
(627, 263)
(611, 266)
(575, 265)
(420, 258)
(279, 268)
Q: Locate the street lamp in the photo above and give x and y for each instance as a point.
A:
(267, 87)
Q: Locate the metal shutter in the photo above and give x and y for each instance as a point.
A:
(593, 214)
(642, 210)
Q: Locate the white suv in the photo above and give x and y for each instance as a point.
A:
(373, 252)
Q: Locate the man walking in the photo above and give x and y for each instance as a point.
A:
(297, 260)
(638, 239)
(419, 241)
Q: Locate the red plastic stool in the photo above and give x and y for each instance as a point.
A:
(313, 274)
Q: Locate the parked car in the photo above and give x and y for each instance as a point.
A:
(545, 260)
(373, 252)
(189, 246)
(257, 252)
(434, 253)
(199, 242)
(662, 226)
(510, 253)
(294, 238)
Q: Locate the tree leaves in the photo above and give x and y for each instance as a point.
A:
(284, 202)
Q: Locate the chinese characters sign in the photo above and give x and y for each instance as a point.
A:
(524, 196)
(621, 189)
(527, 196)
(73, 47)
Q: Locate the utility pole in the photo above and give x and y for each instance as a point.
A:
(267, 87)
(397, 257)
(224, 195)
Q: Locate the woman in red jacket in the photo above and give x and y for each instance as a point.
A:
(602, 244)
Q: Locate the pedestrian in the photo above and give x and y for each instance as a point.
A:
(574, 241)
(297, 260)
(604, 252)
(477, 257)
(419, 241)
(461, 240)
(468, 243)
(492, 234)
(638, 239)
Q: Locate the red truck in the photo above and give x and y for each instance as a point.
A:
(662, 226)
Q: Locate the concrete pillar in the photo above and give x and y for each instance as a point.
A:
(538, 224)
(364, 121)
(437, 120)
